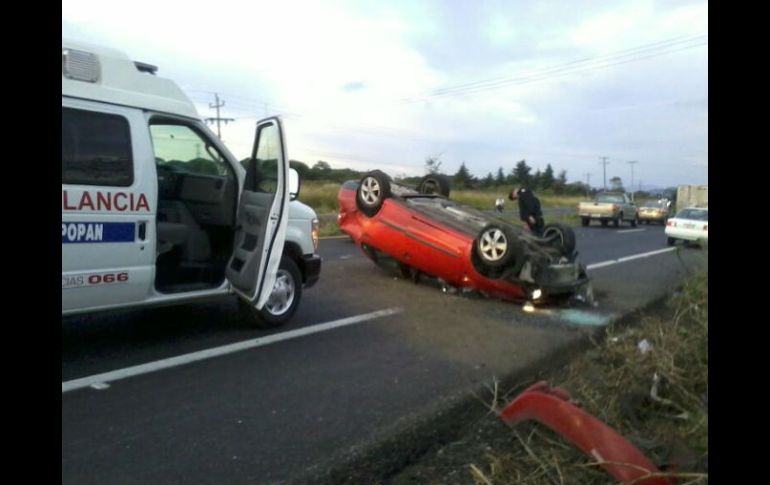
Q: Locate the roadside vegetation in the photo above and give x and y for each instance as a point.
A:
(647, 378)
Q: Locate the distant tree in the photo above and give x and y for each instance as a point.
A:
(547, 181)
(500, 179)
(521, 174)
(321, 166)
(463, 177)
(433, 164)
(488, 181)
(577, 188)
(560, 185)
(616, 184)
(321, 171)
(537, 180)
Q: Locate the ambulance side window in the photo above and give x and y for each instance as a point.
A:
(95, 149)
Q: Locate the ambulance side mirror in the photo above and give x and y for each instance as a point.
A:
(293, 184)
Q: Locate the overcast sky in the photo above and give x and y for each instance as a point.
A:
(386, 84)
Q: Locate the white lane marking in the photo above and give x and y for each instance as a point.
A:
(626, 231)
(100, 380)
(629, 258)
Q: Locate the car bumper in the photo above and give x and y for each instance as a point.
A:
(312, 265)
(608, 217)
(558, 279)
(687, 234)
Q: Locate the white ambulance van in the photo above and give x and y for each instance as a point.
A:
(156, 210)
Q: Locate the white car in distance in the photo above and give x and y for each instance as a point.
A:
(690, 224)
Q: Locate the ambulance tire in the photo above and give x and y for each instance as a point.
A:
(283, 302)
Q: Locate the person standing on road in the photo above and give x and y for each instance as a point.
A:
(529, 209)
(499, 203)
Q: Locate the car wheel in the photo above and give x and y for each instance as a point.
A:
(604, 222)
(561, 237)
(498, 245)
(585, 221)
(283, 300)
(372, 192)
(670, 241)
(434, 184)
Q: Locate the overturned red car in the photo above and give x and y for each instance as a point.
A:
(427, 233)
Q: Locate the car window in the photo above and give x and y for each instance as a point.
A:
(182, 148)
(693, 214)
(653, 204)
(611, 199)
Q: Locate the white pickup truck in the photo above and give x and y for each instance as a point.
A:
(156, 210)
(609, 206)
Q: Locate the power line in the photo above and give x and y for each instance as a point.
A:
(620, 53)
(584, 65)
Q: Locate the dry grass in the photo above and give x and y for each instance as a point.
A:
(658, 400)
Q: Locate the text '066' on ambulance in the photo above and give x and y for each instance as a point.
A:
(156, 210)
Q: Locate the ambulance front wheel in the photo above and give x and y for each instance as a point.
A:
(283, 300)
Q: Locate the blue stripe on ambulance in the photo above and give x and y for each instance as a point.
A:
(97, 232)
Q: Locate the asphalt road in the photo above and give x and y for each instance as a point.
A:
(278, 411)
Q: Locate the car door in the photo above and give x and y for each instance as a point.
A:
(262, 219)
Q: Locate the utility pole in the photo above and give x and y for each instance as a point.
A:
(604, 162)
(588, 184)
(632, 177)
(218, 119)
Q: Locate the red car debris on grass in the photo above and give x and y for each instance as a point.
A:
(427, 233)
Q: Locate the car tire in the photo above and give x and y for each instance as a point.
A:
(372, 192)
(585, 221)
(604, 222)
(670, 241)
(563, 238)
(283, 300)
(498, 245)
(434, 184)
